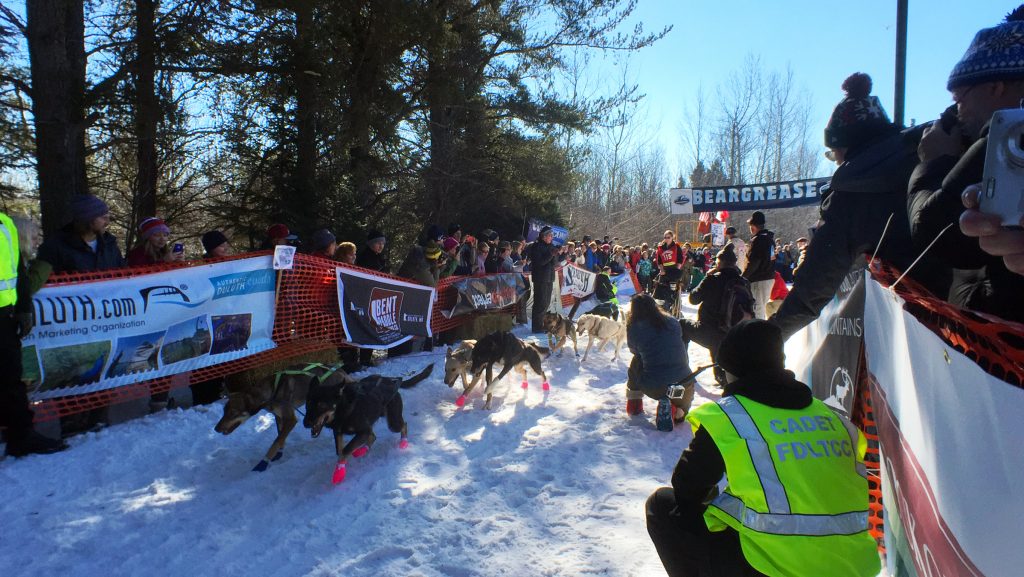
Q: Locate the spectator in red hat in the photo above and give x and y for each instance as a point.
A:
(153, 246)
(276, 234)
(449, 246)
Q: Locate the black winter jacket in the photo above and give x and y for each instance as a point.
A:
(366, 258)
(67, 252)
(759, 257)
(701, 465)
(864, 191)
(542, 260)
(980, 282)
(603, 288)
(708, 295)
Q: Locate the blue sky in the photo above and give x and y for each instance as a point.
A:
(822, 40)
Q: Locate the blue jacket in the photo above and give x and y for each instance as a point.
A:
(661, 351)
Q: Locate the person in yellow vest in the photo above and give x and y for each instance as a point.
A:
(16, 322)
(795, 502)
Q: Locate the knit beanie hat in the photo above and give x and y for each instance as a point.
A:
(857, 118)
(432, 251)
(152, 225)
(322, 239)
(374, 236)
(727, 255)
(752, 347)
(86, 207)
(278, 231)
(995, 54)
(449, 243)
(544, 231)
(212, 240)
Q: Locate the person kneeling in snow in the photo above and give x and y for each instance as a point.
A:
(659, 357)
(796, 502)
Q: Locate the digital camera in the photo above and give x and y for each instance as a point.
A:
(1002, 188)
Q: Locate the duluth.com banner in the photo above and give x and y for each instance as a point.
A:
(380, 313)
(747, 196)
(94, 336)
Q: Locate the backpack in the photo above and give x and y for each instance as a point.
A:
(737, 303)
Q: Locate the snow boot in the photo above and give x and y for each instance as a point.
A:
(634, 407)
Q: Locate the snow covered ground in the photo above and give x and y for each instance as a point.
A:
(544, 484)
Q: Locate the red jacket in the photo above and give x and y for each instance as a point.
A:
(779, 290)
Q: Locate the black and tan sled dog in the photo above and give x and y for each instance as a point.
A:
(559, 330)
(506, 348)
(279, 394)
(353, 408)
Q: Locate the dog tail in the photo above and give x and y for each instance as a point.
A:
(542, 350)
(412, 381)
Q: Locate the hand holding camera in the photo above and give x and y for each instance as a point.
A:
(993, 237)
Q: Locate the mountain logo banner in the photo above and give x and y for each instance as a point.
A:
(830, 347)
(763, 196)
(490, 292)
(380, 313)
(95, 336)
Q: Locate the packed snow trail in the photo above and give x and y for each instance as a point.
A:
(545, 483)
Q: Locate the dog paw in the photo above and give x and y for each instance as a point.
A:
(339, 474)
(261, 466)
(278, 456)
(546, 386)
(361, 451)
(403, 444)
(459, 402)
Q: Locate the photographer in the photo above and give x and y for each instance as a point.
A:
(987, 79)
(775, 500)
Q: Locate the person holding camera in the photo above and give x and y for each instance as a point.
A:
(153, 246)
(875, 162)
(988, 78)
(543, 259)
(796, 499)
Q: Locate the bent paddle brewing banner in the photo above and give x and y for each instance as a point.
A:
(100, 335)
(764, 196)
(491, 292)
(379, 312)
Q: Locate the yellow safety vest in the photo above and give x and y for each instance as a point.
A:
(798, 491)
(8, 261)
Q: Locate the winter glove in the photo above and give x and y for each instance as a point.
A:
(25, 323)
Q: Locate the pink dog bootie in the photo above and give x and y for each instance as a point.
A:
(403, 444)
(460, 401)
(361, 451)
(339, 473)
(546, 386)
(525, 385)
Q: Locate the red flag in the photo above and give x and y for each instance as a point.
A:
(704, 224)
(723, 215)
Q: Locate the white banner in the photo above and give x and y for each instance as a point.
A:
(718, 234)
(680, 201)
(577, 282)
(951, 438)
(100, 335)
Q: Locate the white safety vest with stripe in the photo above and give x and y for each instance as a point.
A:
(8, 261)
(797, 492)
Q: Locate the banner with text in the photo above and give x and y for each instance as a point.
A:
(380, 313)
(829, 348)
(764, 196)
(94, 336)
(577, 282)
(561, 234)
(491, 292)
(950, 438)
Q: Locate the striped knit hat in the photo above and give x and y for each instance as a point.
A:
(152, 225)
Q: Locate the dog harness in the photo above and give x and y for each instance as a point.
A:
(306, 371)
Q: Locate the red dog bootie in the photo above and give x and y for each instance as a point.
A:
(634, 407)
(525, 385)
(460, 401)
(403, 444)
(546, 386)
(339, 473)
(361, 451)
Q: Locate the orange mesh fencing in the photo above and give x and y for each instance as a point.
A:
(306, 320)
(995, 344)
(864, 418)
